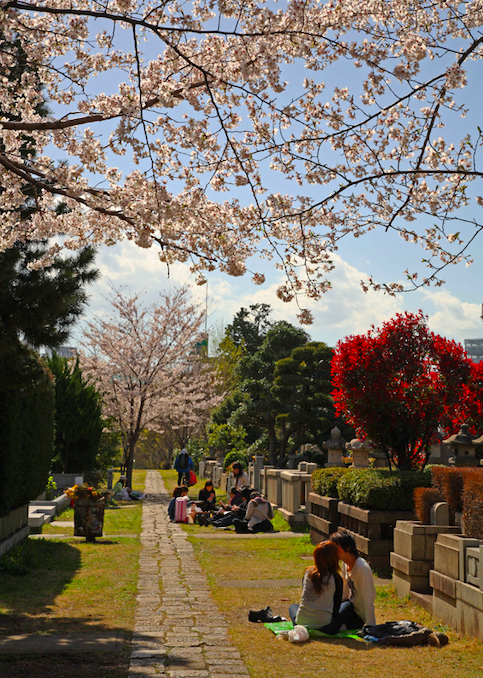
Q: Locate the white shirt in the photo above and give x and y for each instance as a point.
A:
(362, 589)
(242, 480)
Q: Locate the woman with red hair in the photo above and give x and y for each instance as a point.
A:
(322, 590)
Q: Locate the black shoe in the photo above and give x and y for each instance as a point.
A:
(263, 616)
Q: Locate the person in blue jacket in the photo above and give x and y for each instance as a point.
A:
(183, 464)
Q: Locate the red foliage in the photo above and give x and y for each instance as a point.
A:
(396, 382)
(469, 409)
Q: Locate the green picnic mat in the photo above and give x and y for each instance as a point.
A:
(277, 627)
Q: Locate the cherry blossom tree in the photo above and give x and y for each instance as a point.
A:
(138, 358)
(189, 402)
(208, 100)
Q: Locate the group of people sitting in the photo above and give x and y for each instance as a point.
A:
(122, 492)
(336, 597)
(247, 511)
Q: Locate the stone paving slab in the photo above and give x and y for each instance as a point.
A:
(42, 643)
(173, 637)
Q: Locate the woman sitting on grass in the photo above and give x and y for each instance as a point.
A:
(321, 592)
(258, 516)
(179, 491)
(240, 476)
(207, 497)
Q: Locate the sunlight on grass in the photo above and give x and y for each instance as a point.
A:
(231, 560)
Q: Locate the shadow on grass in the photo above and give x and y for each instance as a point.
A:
(32, 575)
(347, 643)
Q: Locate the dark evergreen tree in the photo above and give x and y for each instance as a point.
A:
(78, 418)
(302, 385)
(40, 305)
(259, 406)
(37, 305)
(249, 327)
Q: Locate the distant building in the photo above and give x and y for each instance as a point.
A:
(474, 349)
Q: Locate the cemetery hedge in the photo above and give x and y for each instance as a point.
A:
(27, 403)
(325, 480)
(377, 489)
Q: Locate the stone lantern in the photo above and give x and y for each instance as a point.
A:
(464, 447)
(335, 447)
(360, 452)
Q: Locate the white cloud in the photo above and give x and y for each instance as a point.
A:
(345, 310)
(452, 317)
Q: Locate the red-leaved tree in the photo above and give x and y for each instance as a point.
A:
(396, 383)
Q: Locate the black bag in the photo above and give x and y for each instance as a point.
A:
(183, 460)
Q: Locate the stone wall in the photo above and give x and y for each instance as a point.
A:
(413, 555)
(13, 528)
(457, 581)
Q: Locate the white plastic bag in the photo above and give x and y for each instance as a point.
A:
(298, 634)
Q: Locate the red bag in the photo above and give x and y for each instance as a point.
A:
(193, 480)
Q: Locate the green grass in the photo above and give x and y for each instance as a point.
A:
(232, 560)
(70, 585)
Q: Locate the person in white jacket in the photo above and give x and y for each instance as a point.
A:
(358, 609)
(258, 515)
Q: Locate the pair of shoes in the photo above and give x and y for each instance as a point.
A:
(265, 615)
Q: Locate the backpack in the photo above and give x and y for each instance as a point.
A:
(183, 460)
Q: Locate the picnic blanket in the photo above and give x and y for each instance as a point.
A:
(278, 627)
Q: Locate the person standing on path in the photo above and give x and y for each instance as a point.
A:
(183, 464)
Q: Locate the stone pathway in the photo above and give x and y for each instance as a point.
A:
(179, 631)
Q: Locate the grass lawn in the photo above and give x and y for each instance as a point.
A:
(230, 560)
(71, 586)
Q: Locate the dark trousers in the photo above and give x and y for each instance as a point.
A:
(347, 616)
(241, 526)
(181, 474)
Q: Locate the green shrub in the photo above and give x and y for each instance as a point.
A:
(233, 456)
(324, 481)
(381, 489)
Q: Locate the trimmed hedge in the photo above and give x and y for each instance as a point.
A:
(382, 489)
(27, 403)
(324, 481)
(378, 489)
